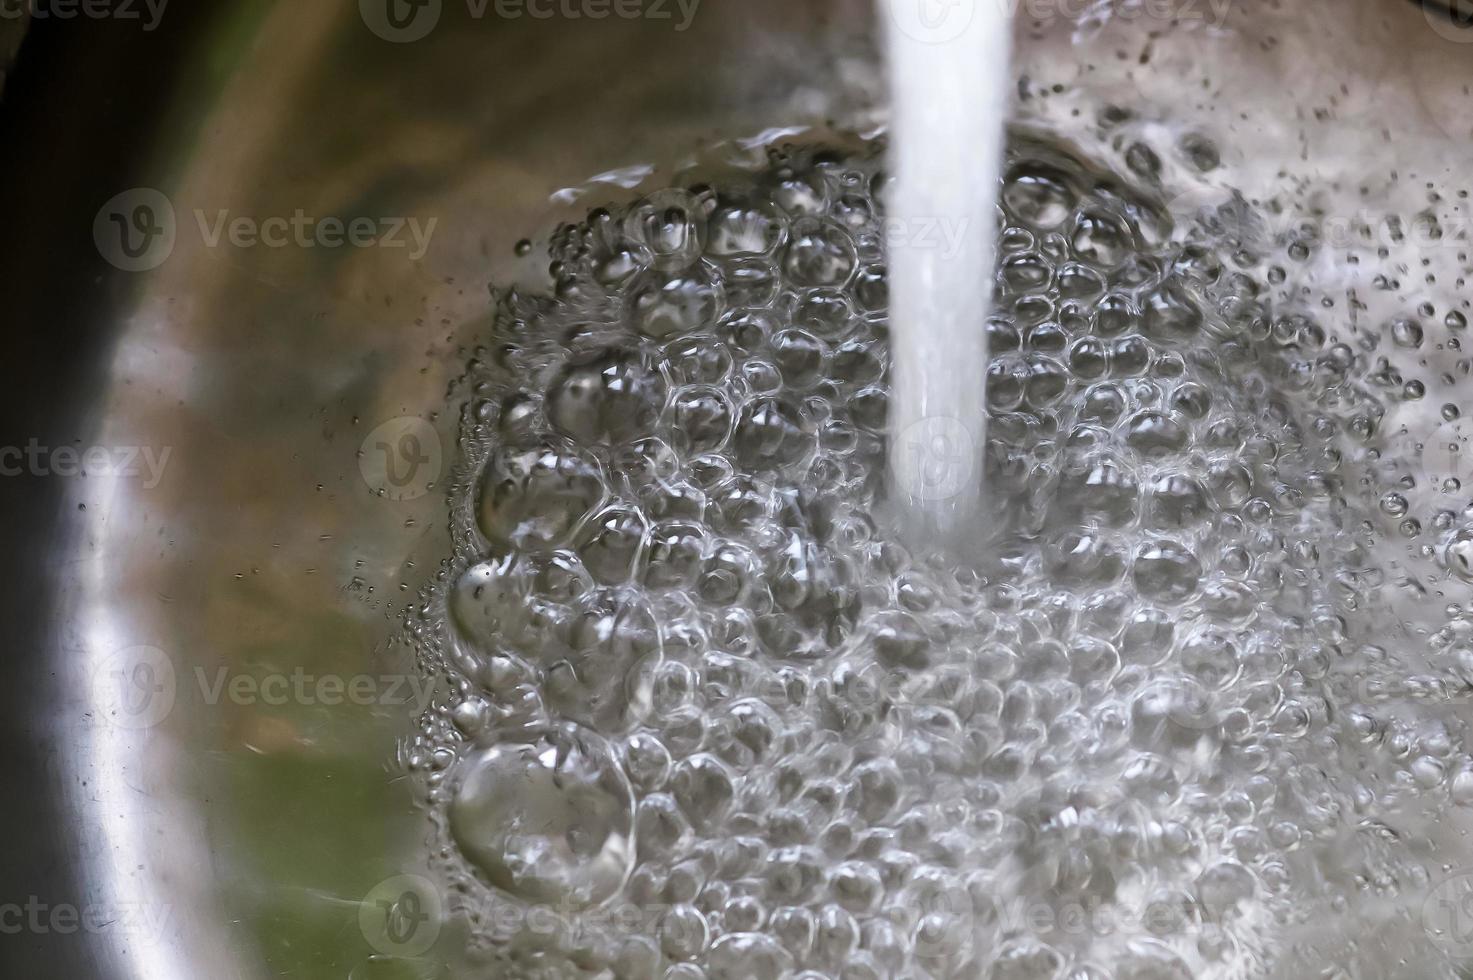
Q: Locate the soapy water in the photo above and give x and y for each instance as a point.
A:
(1199, 710)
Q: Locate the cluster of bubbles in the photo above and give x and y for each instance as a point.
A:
(1173, 715)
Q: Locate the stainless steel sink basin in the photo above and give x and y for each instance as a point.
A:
(249, 252)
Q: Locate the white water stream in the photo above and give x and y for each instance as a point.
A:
(949, 77)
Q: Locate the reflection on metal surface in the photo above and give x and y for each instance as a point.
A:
(266, 549)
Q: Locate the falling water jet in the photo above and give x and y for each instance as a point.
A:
(948, 75)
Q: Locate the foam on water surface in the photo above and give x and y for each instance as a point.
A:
(1200, 711)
